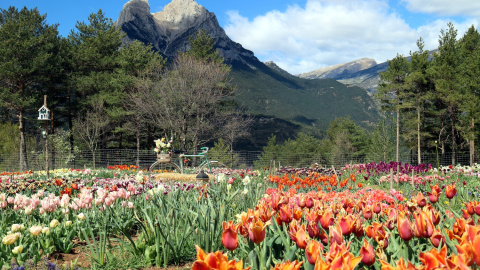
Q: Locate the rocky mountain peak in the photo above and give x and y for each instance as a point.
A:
(169, 30)
(180, 15)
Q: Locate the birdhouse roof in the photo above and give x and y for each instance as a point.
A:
(43, 107)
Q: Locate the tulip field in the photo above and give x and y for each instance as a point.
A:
(361, 216)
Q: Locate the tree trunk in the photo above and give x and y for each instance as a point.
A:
(419, 159)
(398, 136)
(23, 146)
(52, 132)
(472, 143)
(138, 146)
(453, 142)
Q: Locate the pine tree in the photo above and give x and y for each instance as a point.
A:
(446, 68)
(391, 91)
(95, 79)
(419, 85)
(470, 79)
(28, 56)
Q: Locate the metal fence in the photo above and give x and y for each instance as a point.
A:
(239, 159)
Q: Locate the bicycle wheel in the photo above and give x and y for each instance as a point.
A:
(164, 167)
(216, 166)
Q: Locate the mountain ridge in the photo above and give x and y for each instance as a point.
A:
(262, 89)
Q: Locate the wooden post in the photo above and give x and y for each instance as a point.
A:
(47, 168)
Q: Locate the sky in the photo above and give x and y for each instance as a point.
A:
(303, 35)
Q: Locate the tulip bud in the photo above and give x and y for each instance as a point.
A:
(46, 230)
(17, 227)
(10, 239)
(17, 250)
(35, 230)
(54, 223)
(81, 216)
(368, 253)
(68, 223)
(28, 211)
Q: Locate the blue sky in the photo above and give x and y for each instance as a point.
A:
(303, 35)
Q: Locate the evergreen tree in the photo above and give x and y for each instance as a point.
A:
(95, 62)
(201, 47)
(348, 141)
(419, 90)
(391, 91)
(470, 79)
(446, 68)
(28, 56)
(381, 142)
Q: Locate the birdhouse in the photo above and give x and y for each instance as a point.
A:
(43, 113)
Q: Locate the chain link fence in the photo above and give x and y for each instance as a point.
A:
(239, 159)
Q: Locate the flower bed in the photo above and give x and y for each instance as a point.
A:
(344, 219)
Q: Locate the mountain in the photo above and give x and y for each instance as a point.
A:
(340, 70)
(266, 91)
(363, 73)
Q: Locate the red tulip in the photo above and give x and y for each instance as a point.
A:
(313, 229)
(367, 212)
(421, 201)
(335, 235)
(285, 213)
(347, 224)
(326, 219)
(229, 235)
(423, 225)
(377, 207)
(404, 228)
(433, 196)
(436, 238)
(451, 191)
(368, 253)
(256, 230)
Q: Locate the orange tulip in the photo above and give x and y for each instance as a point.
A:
(335, 235)
(367, 212)
(297, 213)
(358, 229)
(256, 230)
(217, 260)
(326, 219)
(288, 265)
(368, 253)
(312, 251)
(313, 229)
(285, 213)
(338, 257)
(423, 225)
(433, 196)
(420, 199)
(451, 191)
(229, 235)
(457, 262)
(377, 207)
(459, 226)
(347, 224)
(300, 237)
(404, 228)
(436, 238)
(433, 259)
(401, 265)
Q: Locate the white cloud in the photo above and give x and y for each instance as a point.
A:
(329, 32)
(445, 7)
